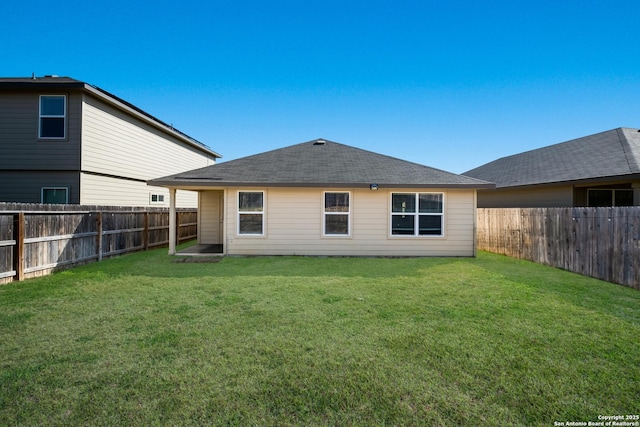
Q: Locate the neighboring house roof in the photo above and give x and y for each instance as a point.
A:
(55, 82)
(319, 163)
(611, 154)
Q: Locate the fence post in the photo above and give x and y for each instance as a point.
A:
(99, 235)
(145, 236)
(173, 229)
(18, 258)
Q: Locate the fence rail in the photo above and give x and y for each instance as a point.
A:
(598, 242)
(36, 242)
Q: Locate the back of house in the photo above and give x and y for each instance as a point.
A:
(325, 198)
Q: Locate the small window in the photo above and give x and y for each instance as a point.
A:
(251, 213)
(52, 116)
(336, 214)
(157, 198)
(417, 214)
(55, 195)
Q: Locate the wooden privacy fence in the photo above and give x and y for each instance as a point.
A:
(35, 243)
(598, 242)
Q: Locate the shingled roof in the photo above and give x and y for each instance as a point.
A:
(610, 154)
(319, 163)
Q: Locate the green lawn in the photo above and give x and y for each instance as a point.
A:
(141, 340)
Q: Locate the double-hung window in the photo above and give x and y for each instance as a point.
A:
(417, 214)
(53, 114)
(251, 213)
(336, 214)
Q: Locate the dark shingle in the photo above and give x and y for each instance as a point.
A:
(320, 164)
(607, 154)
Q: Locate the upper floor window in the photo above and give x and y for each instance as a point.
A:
(417, 214)
(336, 214)
(53, 114)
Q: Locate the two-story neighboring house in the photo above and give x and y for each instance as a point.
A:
(66, 141)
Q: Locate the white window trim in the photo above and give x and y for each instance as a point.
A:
(263, 213)
(66, 189)
(416, 230)
(41, 116)
(325, 213)
(158, 196)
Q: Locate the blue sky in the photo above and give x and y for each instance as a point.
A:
(449, 84)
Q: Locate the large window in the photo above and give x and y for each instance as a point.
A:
(608, 197)
(55, 195)
(251, 212)
(417, 214)
(53, 110)
(336, 214)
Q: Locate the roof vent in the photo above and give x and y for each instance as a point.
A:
(320, 142)
(52, 75)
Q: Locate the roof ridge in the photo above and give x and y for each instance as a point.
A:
(390, 157)
(630, 154)
(323, 163)
(615, 152)
(542, 149)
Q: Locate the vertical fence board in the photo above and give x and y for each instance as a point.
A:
(19, 253)
(7, 247)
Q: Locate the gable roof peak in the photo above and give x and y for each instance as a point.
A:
(321, 163)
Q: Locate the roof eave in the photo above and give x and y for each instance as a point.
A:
(582, 181)
(147, 118)
(197, 183)
(121, 104)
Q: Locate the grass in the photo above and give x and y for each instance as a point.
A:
(140, 340)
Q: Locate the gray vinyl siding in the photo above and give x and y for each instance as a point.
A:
(26, 186)
(111, 150)
(547, 197)
(20, 147)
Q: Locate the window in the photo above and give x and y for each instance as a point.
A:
(157, 198)
(336, 214)
(52, 116)
(55, 195)
(607, 197)
(251, 213)
(417, 214)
